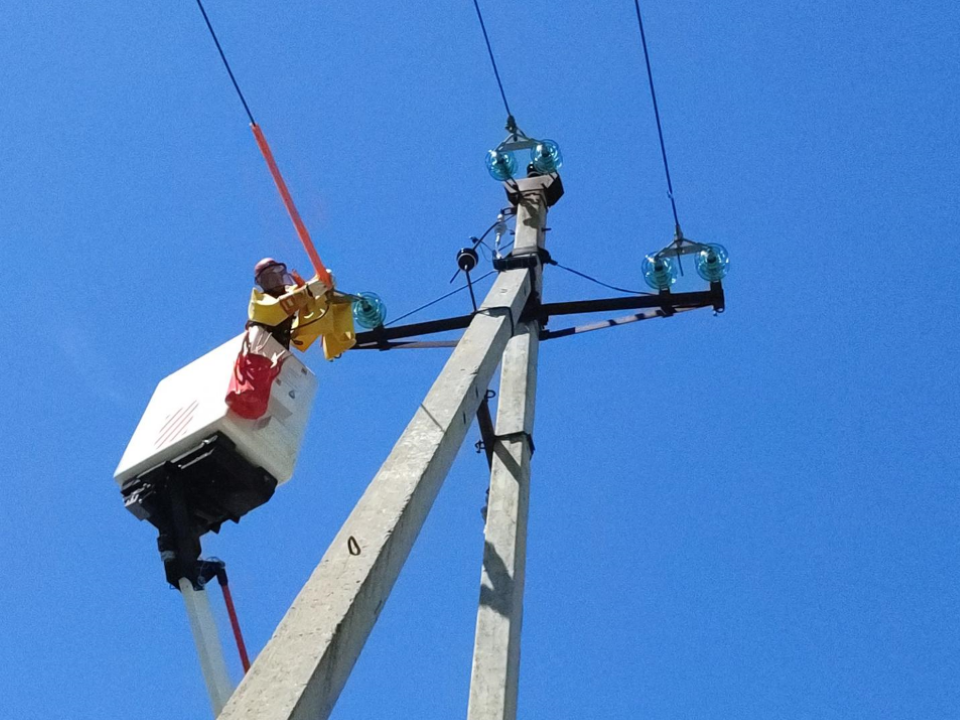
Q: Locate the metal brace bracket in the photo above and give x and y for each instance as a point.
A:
(523, 261)
(517, 435)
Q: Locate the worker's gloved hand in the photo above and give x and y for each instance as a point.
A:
(317, 288)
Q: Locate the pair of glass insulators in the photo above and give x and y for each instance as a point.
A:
(712, 264)
(545, 158)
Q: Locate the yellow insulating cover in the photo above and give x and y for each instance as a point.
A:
(322, 319)
(342, 335)
(314, 318)
(311, 323)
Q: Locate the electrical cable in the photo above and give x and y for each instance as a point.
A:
(479, 241)
(225, 63)
(473, 298)
(656, 113)
(493, 62)
(302, 233)
(507, 213)
(599, 282)
(442, 297)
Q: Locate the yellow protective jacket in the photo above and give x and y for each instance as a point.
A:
(329, 317)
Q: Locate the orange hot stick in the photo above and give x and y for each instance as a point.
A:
(322, 272)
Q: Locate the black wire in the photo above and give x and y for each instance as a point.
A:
(492, 60)
(493, 251)
(473, 298)
(479, 241)
(599, 282)
(656, 112)
(442, 297)
(225, 63)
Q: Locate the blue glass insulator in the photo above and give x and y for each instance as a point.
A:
(713, 263)
(546, 157)
(659, 272)
(501, 165)
(369, 311)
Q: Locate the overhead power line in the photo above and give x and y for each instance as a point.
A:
(493, 62)
(301, 229)
(442, 297)
(656, 112)
(598, 282)
(226, 64)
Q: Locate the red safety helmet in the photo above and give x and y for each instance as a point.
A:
(267, 262)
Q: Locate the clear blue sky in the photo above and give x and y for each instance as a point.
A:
(750, 516)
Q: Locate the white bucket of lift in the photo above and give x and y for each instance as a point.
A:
(189, 406)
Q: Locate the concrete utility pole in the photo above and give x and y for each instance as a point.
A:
(496, 654)
(302, 670)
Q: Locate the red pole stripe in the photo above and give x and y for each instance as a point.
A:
(318, 265)
(235, 624)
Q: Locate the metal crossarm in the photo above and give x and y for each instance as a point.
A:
(382, 338)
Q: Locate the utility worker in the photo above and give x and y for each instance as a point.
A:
(292, 312)
(276, 305)
(297, 312)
